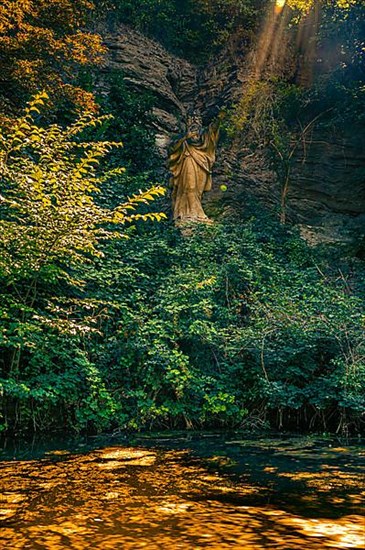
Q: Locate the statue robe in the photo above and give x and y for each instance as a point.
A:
(191, 166)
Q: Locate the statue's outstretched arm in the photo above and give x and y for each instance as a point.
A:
(214, 126)
(213, 130)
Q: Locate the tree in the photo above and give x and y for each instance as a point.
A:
(51, 223)
(49, 184)
(43, 44)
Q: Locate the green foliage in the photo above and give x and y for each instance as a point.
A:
(51, 224)
(236, 319)
(198, 29)
(49, 180)
(240, 324)
(228, 327)
(194, 29)
(132, 120)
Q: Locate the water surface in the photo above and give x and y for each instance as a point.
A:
(182, 491)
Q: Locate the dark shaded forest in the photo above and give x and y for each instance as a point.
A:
(111, 317)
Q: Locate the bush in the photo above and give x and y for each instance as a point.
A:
(51, 225)
(238, 322)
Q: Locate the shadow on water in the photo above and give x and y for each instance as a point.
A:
(182, 491)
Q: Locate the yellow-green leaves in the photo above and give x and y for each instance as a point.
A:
(50, 179)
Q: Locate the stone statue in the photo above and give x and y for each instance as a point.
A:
(191, 160)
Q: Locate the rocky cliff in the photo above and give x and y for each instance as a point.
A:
(148, 66)
(326, 194)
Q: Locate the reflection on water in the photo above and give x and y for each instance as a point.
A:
(172, 493)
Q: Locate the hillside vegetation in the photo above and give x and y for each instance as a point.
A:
(110, 317)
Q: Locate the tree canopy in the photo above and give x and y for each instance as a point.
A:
(44, 43)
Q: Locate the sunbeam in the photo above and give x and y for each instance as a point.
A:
(270, 54)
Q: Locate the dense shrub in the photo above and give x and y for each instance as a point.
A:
(235, 319)
(239, 324)
(51, 224)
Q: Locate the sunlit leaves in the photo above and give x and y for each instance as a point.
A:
(305, 5)
(43, 45)
(49, 182)
(53, 221)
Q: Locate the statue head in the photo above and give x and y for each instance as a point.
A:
(194, 126)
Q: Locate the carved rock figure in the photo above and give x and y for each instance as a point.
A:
(191, 160)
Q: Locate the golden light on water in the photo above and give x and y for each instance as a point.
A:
(135, 498)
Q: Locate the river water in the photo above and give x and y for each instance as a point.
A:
(183, 491)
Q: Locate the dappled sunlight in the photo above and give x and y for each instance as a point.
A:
(279, 5)
(323, 481)
(130, 498)
(307, 45)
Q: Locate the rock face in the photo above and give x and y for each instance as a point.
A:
(148, 66)
(326, 195)
(328, 188)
